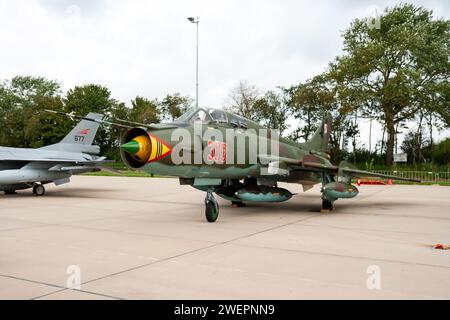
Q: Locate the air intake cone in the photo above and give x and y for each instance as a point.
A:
(139, 148)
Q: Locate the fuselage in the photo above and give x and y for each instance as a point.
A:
(21, 167)
(234, 148)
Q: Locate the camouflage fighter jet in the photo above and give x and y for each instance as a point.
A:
(222, 153)
(22, 168)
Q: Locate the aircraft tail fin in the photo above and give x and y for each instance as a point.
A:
(81, 138)
(321, 138)
(84, 132)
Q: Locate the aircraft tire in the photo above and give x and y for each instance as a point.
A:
(38, 190)
(10, 192)
(327, 205)
(211, 210)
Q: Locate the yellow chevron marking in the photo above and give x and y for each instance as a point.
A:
(159, 149)
(165, 150)
(154, 148)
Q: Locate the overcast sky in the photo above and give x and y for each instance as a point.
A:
(147, 48)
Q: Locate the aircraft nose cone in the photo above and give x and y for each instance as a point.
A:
(131, 147)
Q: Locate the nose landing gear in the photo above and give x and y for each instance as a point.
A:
(211, 207)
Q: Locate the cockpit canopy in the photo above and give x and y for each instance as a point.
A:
(210, 115)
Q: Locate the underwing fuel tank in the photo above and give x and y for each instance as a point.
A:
(263, 194)
(337, 190)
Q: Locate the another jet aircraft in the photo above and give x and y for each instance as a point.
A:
(22, 168)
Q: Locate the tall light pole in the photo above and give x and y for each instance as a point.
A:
(196, 21)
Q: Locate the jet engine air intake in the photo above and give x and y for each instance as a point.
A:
(140, 147)
(136, 148)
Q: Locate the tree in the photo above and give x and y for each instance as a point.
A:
(412, 145)
(22, 100)
(309, 102)
(436, 112)
(173, 106)
(242, 99)
(268, 109)
(93, 98)
(442, 152)
(89, 98)
(42, 128)
(144, 111)
(271, 112)
(395, 70)
(119, 111)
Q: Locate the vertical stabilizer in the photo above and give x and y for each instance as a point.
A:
(81, 137)
(84, 132)
(321, 138)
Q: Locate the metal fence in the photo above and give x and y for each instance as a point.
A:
(424, 176)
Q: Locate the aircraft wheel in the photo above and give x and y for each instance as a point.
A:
(211, 208)
(9, 192)
(38, 190)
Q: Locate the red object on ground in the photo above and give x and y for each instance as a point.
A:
(371, 181)
(389, 181)
(359, 182)
(441, 246)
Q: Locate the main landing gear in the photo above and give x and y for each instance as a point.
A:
(211, 207)
(327, 206)
(38, 190)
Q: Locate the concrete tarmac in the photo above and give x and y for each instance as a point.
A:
(142, 238)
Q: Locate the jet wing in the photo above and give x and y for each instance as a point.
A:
(43, 159)
(317, 164)
(314, 163)
(362, 173)
(31, 155)
(21, 157)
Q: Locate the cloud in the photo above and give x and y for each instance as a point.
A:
(147, 48)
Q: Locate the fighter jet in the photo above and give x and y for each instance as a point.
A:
(22, 168)
(237, 159)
